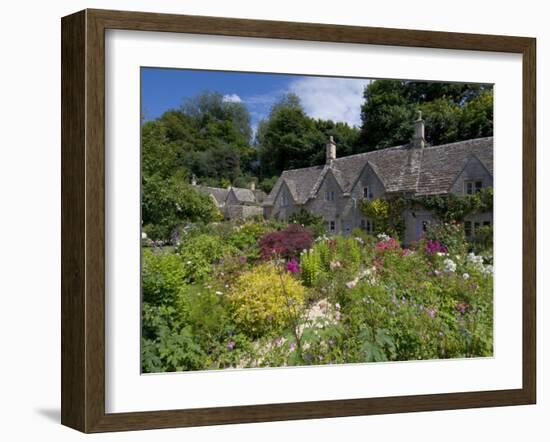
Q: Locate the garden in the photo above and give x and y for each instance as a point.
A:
(266, 293)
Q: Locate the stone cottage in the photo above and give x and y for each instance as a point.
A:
(335, 189)
(235, 202)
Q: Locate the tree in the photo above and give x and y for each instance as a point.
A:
(169, 202)
(453, 112)
(290, 139)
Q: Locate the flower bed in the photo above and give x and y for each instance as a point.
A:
(259, 294)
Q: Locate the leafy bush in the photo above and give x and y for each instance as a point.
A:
(315, 223)
(450, 235)
(169, 202)
(263, 300)
(287, 243)
(199, 253)
(483, 239)
(311, 264)
(162, 275)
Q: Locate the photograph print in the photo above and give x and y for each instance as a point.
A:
(295, 220)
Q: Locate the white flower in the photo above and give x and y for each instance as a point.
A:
(465, 276)
(189, 263)
(143, 235)
(450, 265)
(441, 254)
(487, 270)
(383, 237)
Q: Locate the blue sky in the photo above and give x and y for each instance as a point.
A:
(338, 99)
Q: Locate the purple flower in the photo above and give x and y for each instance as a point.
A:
(292, 266)
(432, 313)
(231, 345)
(292, 346)
(242, 259)
(434, 246)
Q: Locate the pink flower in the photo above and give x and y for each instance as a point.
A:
(292, 266)
(292, 346)
(432, 313)
(352, 284)
(231, 345)
(335, 265)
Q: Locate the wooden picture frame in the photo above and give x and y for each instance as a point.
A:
(83, 220)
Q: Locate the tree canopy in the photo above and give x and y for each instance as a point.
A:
(453, 112)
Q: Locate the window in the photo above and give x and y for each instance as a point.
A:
(486, 223)
(367, 194)
(425, 225)
(284, 201)
(367, 225)
(329, 195)
(331, 226)
(473, 186)
(467, 229)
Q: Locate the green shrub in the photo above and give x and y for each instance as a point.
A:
(311, 265)
(315, 223)
(162, 275)
(449, 234)
(199, 253)
(263, 300)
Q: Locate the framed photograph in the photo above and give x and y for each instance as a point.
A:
(267, 221)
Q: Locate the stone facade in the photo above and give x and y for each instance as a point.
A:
(235, 202)
(335, 189)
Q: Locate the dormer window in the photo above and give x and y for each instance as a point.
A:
(284, 201)
(329, 195)
(472, 186)
(367, 194)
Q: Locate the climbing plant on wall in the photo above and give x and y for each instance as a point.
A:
(387, 214)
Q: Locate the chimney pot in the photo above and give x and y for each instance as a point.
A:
(418, 140)
(331, 150)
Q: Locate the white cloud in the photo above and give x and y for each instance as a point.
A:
(337, 99)
(232, 98)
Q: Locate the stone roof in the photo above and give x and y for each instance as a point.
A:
(427, 171)
(243, 195)
(218, 193)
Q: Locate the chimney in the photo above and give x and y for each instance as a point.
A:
(331, 150)
(418, 140)
(193, 180)
(252, 185)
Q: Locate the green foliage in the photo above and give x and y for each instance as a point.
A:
(482, 241)
(198, 253)
(452, 111)
(307, 219)
(288, 138)
(311, 265)
(263, 299)
(387, 214)
(451, 235)
(162, 275)
(452, 207)
(167, 203)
